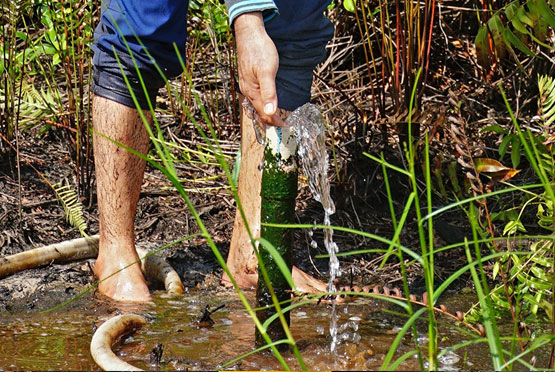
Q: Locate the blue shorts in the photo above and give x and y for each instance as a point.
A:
(133, 34)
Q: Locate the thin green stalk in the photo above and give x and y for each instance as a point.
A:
(406, 290)
(488, 311)
(378, 238)
(388, 191)
(427, 260)
(429, 203)
(399, 229)
(480, 197)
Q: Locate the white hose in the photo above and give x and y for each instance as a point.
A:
(154, 267)
(75, 249)
(107, 334)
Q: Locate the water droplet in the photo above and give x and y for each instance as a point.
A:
(449, 358)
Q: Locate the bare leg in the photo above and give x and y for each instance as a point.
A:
(241, 260)
(119, 177)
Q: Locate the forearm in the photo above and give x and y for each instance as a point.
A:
(257, 60)
(249, 26)
(237, 7)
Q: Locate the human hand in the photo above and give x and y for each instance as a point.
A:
(258, 63)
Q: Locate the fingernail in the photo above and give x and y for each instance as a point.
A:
(269, 108)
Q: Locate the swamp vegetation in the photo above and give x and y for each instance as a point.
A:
(440, 117)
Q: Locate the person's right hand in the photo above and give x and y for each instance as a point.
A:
(258, 63)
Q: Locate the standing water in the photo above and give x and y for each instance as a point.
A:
(310, 132)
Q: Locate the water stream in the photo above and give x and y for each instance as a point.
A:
(310, 132)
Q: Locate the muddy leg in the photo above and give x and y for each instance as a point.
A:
(241, 260)
(119, 177)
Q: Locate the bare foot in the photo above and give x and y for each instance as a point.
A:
(127, 285)
(306, 283)
(248, 280)
(244, 281)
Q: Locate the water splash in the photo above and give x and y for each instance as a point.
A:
(310, 132)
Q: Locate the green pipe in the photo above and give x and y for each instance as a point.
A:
(278, 194)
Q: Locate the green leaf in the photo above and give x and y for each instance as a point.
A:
(515, 151)
(280, 262)
(512, 11)
(496, 269)
(504, 145)
(496, 29)
(512, 227)
(487, 165)
(539, 273)
(494, 128)
(236, 167)
(534, 301)
(538, 260)
(533, 282)
(482, 47)
(349, 5)
(539, 20)
(545, 11)
(72, 206)
(523, 17)
(56, 59)
(511, 37)
(546, 86)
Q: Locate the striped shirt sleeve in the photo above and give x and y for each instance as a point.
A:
(238, 7)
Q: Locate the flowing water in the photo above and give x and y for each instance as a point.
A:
(60, 340)
(310, 132)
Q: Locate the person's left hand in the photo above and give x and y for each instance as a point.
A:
(258, 63)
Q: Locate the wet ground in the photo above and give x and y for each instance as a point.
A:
(60, 340)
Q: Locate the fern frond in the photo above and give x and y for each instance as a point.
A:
(546, 100)
(72, 206)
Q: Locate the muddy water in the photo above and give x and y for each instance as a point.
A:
(60, 341)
